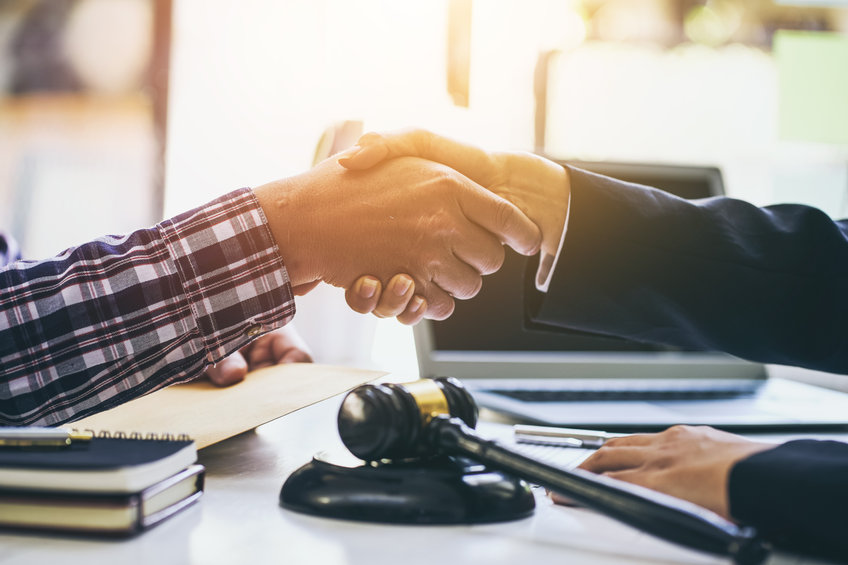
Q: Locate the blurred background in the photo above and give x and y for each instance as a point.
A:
(117, 113)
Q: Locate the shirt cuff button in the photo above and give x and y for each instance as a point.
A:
(253, 330)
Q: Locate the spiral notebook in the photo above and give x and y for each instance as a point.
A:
(110, 462)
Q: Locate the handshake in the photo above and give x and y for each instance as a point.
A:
(408, 222)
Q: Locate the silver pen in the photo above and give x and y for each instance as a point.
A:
(562, 437)
(33, 436)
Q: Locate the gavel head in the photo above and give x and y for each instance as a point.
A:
(388, 421)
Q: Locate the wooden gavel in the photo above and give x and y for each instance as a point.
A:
(437, 416)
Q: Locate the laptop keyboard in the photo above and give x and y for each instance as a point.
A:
(635, 394)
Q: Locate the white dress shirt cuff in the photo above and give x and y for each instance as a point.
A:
(548, 262)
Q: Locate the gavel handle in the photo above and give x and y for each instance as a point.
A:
(659, 514)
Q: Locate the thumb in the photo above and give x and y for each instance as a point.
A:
(229, 371)
(363, 156)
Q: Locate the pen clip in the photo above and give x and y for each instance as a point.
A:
(561, 437)
(80, 435)
(550, 441)
(35, 437)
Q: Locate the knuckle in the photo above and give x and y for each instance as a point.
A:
(449, 308)
(409, 318)
(601, 455)
(370, 138)
(441, 309)
(468, 288)
(678, 431)
(493, 261)
(424, 140)
(504, 216)
(476, 287)
(448, 181)
(431, 262)
(438, 191)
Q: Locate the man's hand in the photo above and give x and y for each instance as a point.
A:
(274, 348)
(539, 187)
(399, 299)
(407, 215)
(692, 463)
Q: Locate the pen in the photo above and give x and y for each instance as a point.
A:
(562, 437)
(40, 436)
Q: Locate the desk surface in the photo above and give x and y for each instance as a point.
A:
(239, 520)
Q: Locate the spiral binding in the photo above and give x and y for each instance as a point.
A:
(139, 436)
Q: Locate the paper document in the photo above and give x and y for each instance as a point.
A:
(210, 414)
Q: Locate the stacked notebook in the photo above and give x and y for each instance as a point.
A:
(114, 485)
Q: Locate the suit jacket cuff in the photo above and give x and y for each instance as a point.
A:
(796, 495)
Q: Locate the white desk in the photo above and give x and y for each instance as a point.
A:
(239, 520)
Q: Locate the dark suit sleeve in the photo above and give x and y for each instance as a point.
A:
(796, 495)
(765, 284)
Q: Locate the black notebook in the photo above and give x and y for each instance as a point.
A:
(100, 513)
(125, 464)
(114, 483)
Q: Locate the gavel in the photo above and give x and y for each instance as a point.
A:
(432, 417)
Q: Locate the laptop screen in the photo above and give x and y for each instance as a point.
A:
(494, 319)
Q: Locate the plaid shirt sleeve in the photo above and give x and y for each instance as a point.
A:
(121, 316)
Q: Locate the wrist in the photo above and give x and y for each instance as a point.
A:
(281, 203)
(545, 188)
(560, 189)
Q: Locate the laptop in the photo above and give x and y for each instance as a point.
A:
(582, 380)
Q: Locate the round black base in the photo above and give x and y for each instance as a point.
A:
(444, 490)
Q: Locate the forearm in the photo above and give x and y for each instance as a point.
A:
(116, 318)
(718, 274)
(796, 496)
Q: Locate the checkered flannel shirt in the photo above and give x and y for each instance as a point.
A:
(121, 316)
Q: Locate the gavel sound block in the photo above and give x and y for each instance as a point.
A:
(429, 419)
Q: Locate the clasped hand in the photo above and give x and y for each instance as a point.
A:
(537, 186)
(404, 215)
